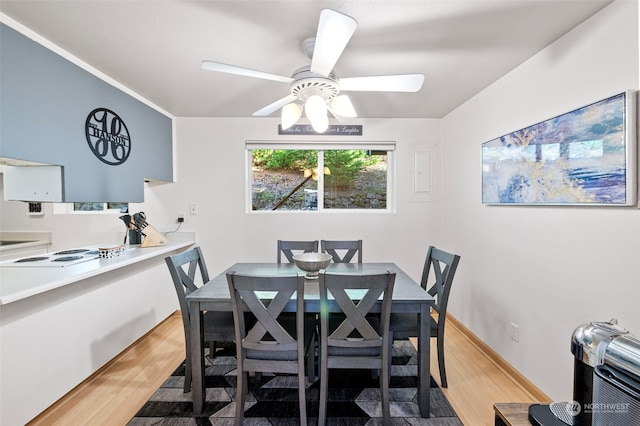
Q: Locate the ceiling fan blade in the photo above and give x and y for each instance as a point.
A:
(383, 83)
(275, 106)
(232, 69)
(338, 118)
(334, 32)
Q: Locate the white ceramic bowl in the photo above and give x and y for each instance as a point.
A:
(311, 263)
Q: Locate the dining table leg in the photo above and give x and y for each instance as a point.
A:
(197, 358)
(424, 353)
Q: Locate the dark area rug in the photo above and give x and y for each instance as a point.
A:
(354, 397)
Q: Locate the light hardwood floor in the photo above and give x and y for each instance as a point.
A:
(477, 379)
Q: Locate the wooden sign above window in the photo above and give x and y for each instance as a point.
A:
(333, 130)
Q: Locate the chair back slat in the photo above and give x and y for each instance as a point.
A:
(184, 280)
(267, 334)
(342, 251)
(291, 248)
(355, 314)
(356, 328)
(444, 267)
(267, 317)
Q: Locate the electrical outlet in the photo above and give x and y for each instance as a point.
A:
(515, 332)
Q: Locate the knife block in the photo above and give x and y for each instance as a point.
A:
(152, 237)
(134, 237)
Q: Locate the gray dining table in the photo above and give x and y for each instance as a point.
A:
(214, 295)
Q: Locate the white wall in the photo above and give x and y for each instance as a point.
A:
(211, 173)
(547, 269)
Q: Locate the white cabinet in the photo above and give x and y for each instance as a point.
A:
(33, 183)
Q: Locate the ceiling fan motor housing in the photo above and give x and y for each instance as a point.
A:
(307, 84)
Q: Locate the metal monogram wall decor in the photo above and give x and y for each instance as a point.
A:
(583, 157)
(108, 136)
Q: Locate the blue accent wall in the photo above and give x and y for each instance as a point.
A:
(44, 103)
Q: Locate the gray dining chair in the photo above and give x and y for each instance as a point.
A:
(404, 326)
(342, 251)
(350, 338)
(275, 343)
(291, 248)
(217, 326)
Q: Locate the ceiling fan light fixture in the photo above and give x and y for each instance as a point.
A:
(342, 106)
(315, 109)
(316, 87)
(291, 113)
(321, 124)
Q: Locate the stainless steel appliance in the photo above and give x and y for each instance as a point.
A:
(53, 260)
(616, 384)
(588, 345)
(603, 352)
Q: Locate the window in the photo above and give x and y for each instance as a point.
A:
(286, 177)
(93, 207)
(90, 207)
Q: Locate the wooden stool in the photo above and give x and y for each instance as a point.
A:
(512, 413)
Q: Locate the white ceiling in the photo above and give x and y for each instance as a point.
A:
(155, 47)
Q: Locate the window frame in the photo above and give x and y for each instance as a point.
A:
(321, 146)
(68, 208)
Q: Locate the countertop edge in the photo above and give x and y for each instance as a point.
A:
(116, 263)
(34, 239)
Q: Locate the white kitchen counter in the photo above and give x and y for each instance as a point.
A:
(18, 283)
(24, 244)
(59, 325)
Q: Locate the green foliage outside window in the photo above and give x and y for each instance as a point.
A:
(282, 179)
(290, 159)
(345, 165)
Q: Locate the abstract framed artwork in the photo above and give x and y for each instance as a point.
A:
(583, 157)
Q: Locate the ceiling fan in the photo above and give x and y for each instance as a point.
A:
(316, 87)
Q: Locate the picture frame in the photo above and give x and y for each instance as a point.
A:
(585, 157)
